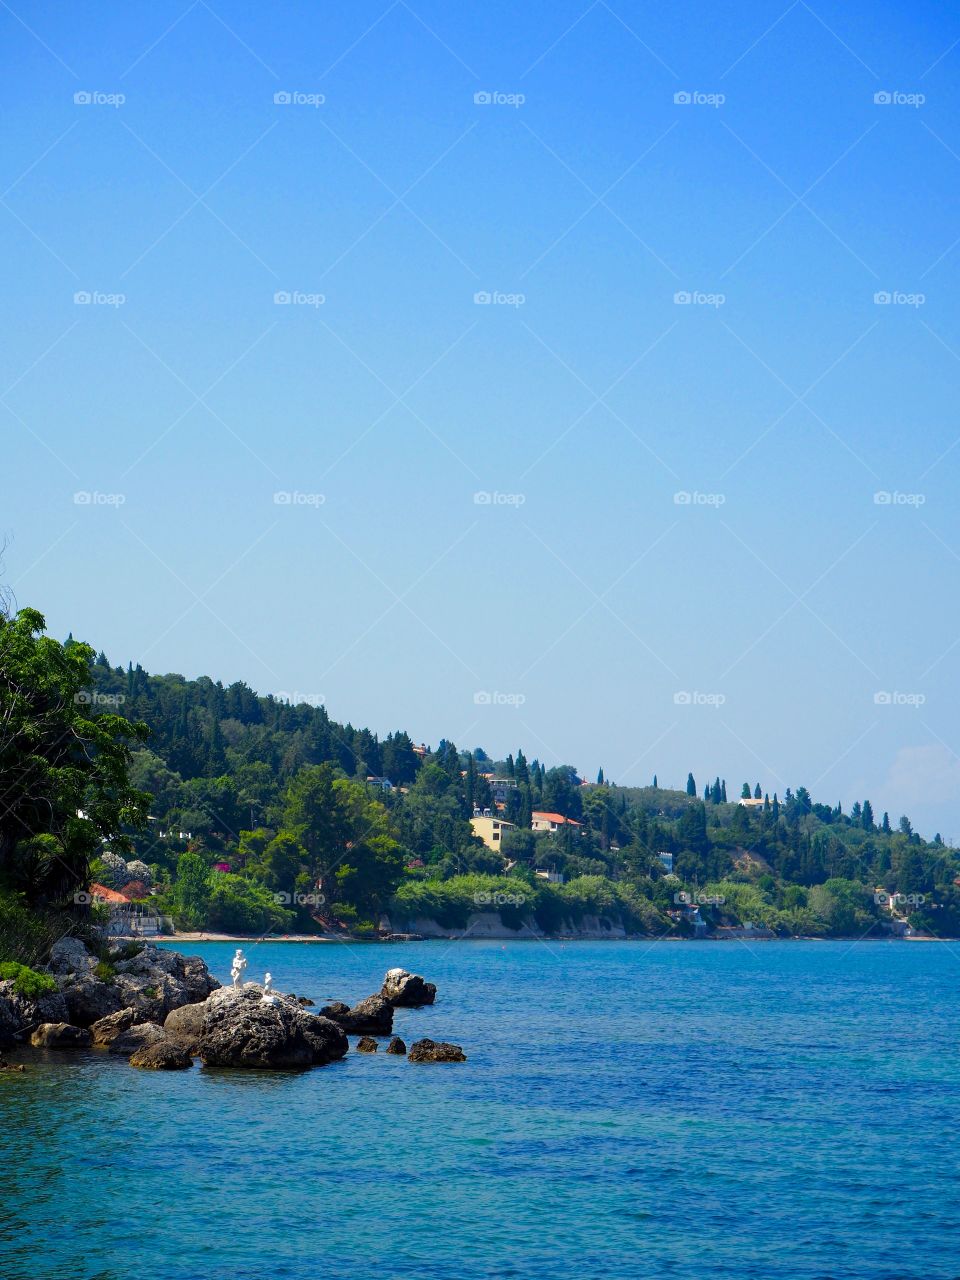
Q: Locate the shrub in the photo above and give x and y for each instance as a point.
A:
(27, 982)
(105, 971)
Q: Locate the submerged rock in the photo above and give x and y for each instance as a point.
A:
(366, 1044)
(60, 1035)
(407, 990)
(436, 1051)
(397, 1046)
(162, 1055)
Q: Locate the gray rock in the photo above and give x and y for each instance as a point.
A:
(88, 999)
(69, 955)
(397, 1046)
(436, 1051)
(240, 1029)
(21, 1014)
(106, 1030)
(328, 1041)
(162, 1056)
(370, 1017)
(183, 1026)
(60, 1035)
(407, 990)
(9, 1024)
(366, 1044)
(139, 1036)
(198, 979)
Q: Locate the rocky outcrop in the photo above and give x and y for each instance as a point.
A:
(106, 1030)
(153, 982)
(69, 955)
(162, 1055)
(242, 1029)
(139, 1036)
(407, 990)
(397, 1046)
(19, 1015)
(370, 1017)
(436, 1051)
(366, 1044)
(60, 1035)
(88, 998)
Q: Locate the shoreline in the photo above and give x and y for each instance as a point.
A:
(331, 938)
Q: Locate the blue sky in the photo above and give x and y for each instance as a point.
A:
(782, 625)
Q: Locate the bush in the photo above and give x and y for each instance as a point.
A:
(27, 982)
(105, 971)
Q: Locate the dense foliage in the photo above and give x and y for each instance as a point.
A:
(270, 817)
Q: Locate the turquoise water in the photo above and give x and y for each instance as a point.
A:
(628, 1109)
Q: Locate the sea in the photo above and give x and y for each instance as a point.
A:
(627, 1109)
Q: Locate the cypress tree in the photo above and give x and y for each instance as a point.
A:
(691, 785)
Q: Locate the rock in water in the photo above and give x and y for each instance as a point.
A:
(241, 1029)
(366, 1044)
(139, 1036)
(370, 1017)
(88, 999)
(407, 990)
(329, 1042)
(436, 1051)
(396, 1045)
(183, 1026)
(106, 1030)
(60, 1035)
(162, 1055)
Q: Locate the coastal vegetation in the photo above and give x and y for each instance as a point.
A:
(228, 811)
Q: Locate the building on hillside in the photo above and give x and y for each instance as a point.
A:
(750, 802)
(490, 829)
(543, 821)
(127, 919)
(667, 860)
(382, 784)
(420, 751)
(551, 877)
(500, 789)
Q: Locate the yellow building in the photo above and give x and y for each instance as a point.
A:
(490, 830)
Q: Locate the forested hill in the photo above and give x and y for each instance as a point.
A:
(262, 796)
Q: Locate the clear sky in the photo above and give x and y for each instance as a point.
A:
(782, 626)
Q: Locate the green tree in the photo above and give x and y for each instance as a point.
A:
(691, 785)
(64, 764)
